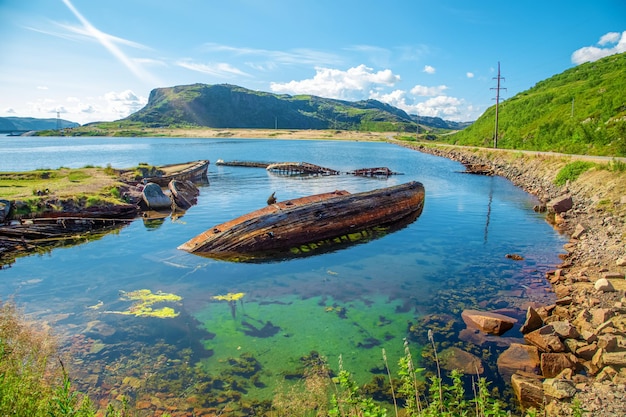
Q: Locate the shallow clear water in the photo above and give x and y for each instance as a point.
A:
(352, 302)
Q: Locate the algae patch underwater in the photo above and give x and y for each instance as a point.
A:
(145, 299)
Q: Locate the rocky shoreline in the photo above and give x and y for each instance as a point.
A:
(575, 351)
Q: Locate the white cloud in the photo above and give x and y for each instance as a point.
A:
(42, 87)
(469, 75)
(121, 103)
(429, 70)
(609, 44)
(421, 90)
(107, 107)
(445, 107)
(339, 84)
(219, 69)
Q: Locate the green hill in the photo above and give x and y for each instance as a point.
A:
(580, 111)
(229, 106)
(24, 124)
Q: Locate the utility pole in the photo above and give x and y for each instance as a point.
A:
(498, 88)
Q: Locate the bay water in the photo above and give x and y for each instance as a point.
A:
(352, 302)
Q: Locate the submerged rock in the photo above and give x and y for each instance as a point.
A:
(455, 358)
(488, 322)
(519, 357)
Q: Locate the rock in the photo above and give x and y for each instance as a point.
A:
(528, 390)
(615, 275)
(587, 352)
(608, 373)
(560, 204)
(553, 364)
(578, 231)
(604, 285)
(455, 358)
(600, 315)
(533, 321)
(614, 358)
(519, 357)
(545, 339)
(154, 197)
(565, 330)
(621, 262)
(608, 342)
(487, 322)
(559, 389)
(5, 208)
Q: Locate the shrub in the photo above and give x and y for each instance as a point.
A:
(572, 171)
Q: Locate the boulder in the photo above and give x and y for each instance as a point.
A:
(528, 390)
(603, 285)
(545, 339)
(578, 231)
(587, 352)
(154, 197)
(519, 357)
(560, 204)
(559, 389)
(553, 364)
(533, 321)
(454, 358)
(614, 358)
(491, 323)
(600, 315)
(5, 208)
(565, 330)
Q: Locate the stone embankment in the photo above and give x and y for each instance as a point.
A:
(575, 350)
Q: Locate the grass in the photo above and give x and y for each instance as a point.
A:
(572, 171)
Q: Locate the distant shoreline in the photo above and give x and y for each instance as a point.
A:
(235, 133)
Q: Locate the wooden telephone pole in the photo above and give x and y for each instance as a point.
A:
(498, 88)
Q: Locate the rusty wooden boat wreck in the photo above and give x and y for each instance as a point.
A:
(189, 171)
(284, 227)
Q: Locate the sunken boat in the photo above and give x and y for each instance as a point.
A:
(286, 227)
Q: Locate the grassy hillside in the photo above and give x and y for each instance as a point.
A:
(229, 106)
(580, 111)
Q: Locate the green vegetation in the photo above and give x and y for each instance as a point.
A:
(572, 171)
(45, 189)
(580, 111)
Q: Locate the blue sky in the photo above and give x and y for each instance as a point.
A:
(98, 60)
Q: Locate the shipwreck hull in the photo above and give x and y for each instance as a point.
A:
(299, 223)
(191, 171)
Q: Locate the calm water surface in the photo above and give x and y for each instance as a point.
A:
(352, 302)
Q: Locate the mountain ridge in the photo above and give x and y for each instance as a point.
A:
(231, 106)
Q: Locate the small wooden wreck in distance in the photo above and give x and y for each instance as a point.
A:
(286, 226)
(300, 168)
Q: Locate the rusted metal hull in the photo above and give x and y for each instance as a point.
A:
(293, 223)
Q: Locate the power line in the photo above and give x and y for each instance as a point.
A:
(498, 88)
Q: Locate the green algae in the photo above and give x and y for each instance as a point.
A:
(285, 330)
(145, 299)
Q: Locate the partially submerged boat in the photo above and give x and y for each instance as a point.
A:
(190, 171)
(285, 227)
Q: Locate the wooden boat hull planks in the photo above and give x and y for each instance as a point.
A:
(190, 171)
(292, 223)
